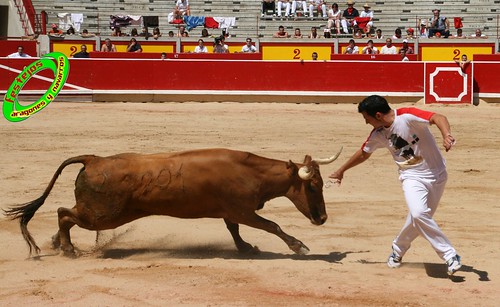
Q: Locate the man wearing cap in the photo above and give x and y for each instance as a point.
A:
(368, 15)
(406, 47)
(439, 24)
(410, 33)
(348, 16)
(55, 31)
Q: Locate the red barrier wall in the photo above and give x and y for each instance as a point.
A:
(10, 46)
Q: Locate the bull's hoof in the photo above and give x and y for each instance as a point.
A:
(56, 241)
(68, 251)
(249, 250)
(300, 249)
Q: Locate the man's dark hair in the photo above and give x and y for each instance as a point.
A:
(373, 104)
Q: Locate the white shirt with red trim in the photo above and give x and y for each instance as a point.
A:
(410, 142)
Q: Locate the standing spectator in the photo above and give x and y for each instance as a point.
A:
(367, 13)
(334, 15)
(422, 171)
(314, 56)
(182, 32)
(133, 46)
(402, 53)
(55, 31)
(249, 47)
(297, 33)
(438, 24)
(82, 53)
(108, 46)
(156, 33)
(321, 7)
(314, 33)
(19, 54)
(370, 49)
(294, 7)
(478, 34)
(348, 17)
(182, 8)
(397, 34)
(389, 48)
(281, 33)
(463, 62)
(406, 47)
(378, 34)
(352, 48)
(268, 5)
(163, 55)
(201, 48)
(283, 4)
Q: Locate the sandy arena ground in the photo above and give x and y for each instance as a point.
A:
(163, 261)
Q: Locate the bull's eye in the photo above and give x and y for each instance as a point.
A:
(312, 187)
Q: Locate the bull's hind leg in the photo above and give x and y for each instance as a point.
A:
(67, 219)
(243, 247)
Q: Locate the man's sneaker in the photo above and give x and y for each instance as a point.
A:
(453, 264)
(394, 261)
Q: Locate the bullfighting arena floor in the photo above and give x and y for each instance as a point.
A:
(163, 261)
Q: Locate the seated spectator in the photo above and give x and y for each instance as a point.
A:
(108, 46)
(348, 16)
(389, 48)
(378, 34)
(334, 15)
(145, 33)
(223, 41)
(204, 33)
(182, 8)
(297, 33)
(352, 48)
(133, 46)
(404, 58)
(182, 32)
(410, 33)
(478, 34)
(294, 7)
(19, 54)
(249, 47)
(117, 32)
(463, 62)
(283, 4)
(370, 49)
(171, 33)
(268, 5)
(70, 31)
(82, 53)
(358, 33)
(314, 33)
(156, 33)
(397, 34)
(406, 47)
(424, 33)
(459, 34)
(85, 33)
(438, 24)
(281, 33)
(219, 47)
(327, 33)
(314, 56)
(201, 48)
(134, 32)
(368, 15)
(321, 7)
(55, 31)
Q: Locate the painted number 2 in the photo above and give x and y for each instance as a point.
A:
(296, 53)
(456, 52)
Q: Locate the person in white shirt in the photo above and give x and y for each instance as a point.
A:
(19, 54)
(389, 48)
(369, 48)
(294, 7)
(321, 6)
(334, 15)
(367, 13)
(182, 7)
(201, 48)
(421, 167)
(352, 48)
(478, 34)
(248, 47)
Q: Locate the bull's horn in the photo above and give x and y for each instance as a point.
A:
(329, 160)
(305, 173)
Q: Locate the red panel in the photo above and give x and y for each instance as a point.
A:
(10, 46)
(486, 77)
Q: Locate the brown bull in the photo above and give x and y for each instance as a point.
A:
(213, 183)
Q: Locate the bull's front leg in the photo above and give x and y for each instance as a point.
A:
(243, 247)
(259, 222)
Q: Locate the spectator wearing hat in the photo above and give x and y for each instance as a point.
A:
(368, 14)
(438, 24)
(410, 33)
(406, 47)
(423, 30)
(55, 31)
(348, 17)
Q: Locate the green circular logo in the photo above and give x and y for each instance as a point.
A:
(15, 112)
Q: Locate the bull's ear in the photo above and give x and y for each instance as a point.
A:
(291, 167)
(307, 159)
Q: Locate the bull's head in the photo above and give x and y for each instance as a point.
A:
(307, 190)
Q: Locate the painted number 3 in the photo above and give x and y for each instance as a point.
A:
(296, 53)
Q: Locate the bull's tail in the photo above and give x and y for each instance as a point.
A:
(25, 212)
